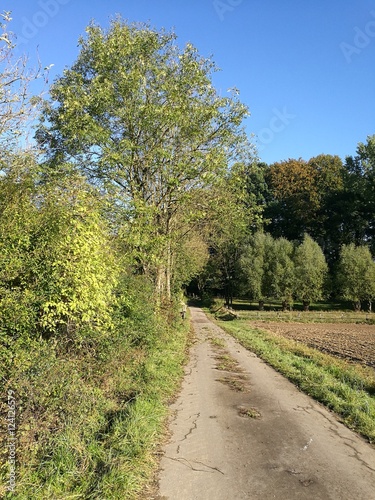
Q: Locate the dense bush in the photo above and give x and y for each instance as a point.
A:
(90, 360)
(86, 416)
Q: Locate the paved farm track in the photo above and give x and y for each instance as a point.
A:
(241, 431)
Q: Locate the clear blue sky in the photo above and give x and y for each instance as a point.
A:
(306, 70)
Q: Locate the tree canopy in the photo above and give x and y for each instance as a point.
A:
(356, 274)
(141, 118)
(310, 271)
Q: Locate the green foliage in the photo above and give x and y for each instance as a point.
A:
(333, 202)
(356, 274)
(141, 117)
(74, 260)
(191, 255)
(280, 274)
(300, 195)
(310, 271)
(18, 225)
(234, 213)
(275, 268)
(359, 211)
(57, 265)
(255, 263)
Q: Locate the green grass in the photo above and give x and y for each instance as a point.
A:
(90, 423)
(347, 389)
(217, 343)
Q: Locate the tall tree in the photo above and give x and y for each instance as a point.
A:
(142, 118)
(255, 263)
(280, 274)
(356, 274)
(310, 271)
(294, 198)
(302, 195)
(359, 218)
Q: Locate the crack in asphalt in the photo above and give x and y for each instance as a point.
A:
(193, 427)
(304, 408)
(334, 428)
(357, 457)
(186, 462)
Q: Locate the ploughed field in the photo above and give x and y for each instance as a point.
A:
(355, 342)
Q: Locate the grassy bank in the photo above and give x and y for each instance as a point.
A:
(89, 420)
(347, 389)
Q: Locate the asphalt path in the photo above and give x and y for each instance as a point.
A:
(245, 432)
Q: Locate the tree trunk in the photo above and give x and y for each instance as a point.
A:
(357, 305)
(227, 296)
(160, 284)
(168, 272)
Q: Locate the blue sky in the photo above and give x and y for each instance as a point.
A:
(306, 70)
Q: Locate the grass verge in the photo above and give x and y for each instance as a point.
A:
(88, 425)
(346, 389)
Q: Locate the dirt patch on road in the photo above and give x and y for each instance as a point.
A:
(354, 342)
(234, 379)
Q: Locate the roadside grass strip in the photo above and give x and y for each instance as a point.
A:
(345, 388)
(107, 445)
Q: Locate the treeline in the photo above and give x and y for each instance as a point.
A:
(331, 201)
(277, 268)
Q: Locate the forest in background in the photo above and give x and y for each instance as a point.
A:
(142, 183)
(312, 237)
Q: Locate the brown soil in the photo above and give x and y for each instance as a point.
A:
(355, 342)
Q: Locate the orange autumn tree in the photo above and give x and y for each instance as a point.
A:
(300, 195)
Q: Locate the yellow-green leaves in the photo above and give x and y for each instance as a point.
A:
(76, 264)
(57, 265)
